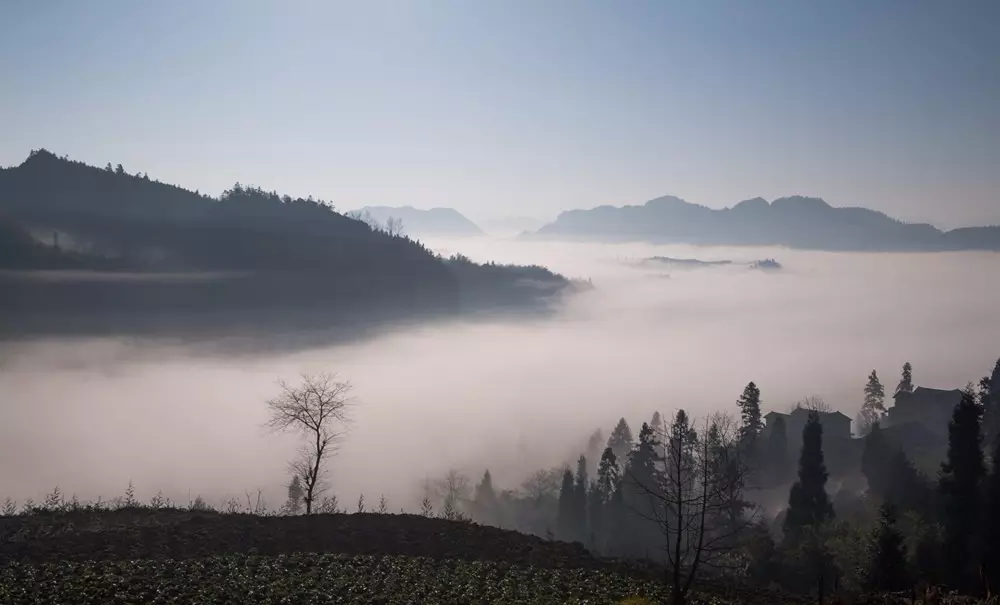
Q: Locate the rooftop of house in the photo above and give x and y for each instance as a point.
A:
(944, 396)
(798, 411)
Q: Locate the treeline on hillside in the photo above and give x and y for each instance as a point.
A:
(682, 493)
(300, 252)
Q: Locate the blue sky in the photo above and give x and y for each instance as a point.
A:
(522, 107)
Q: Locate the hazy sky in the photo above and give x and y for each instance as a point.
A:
(521, 107)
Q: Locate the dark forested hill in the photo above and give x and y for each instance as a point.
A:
(263, 253)
(797, 222)
(436, 222)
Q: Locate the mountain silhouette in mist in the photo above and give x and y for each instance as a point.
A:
(248, 256)
(436, 222)
(796, 222)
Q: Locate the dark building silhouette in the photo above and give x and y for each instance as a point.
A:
(931, 408)
(835, 424)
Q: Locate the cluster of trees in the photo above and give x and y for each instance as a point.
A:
(683, 495)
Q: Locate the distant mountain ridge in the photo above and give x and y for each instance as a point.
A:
(796, 222)
(436, 222)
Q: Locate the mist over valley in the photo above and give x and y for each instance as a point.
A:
(512, 394)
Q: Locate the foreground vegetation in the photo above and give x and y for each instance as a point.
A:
(312, 578)
(141, 554)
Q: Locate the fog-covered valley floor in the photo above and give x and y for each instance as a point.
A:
(510, 395)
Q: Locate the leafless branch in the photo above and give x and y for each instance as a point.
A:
(317, 408)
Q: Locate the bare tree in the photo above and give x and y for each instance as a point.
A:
(454, 492)
(394, 227)
(697, 502)
(813, 403)
(542, 484)
(318, 410)
(365, 217)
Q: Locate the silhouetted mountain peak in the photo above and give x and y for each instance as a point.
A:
(752, 205)
(797, 221)
(668, 201)
(800, 202)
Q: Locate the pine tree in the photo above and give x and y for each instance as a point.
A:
(751, 424)
(873, 408)
(657, 425)
(887, 568)
(808, 503)
(595, 518)
(580, 500)
(991, 529)
(620, 441)
(567, 497)
(906, 382)
(961, 476)
(484, 501)
(601, 517)
(641, 484)
(595, 445)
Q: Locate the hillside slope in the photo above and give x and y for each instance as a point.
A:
(797, 222)
(250, 258)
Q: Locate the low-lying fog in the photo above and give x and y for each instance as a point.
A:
(514, 396)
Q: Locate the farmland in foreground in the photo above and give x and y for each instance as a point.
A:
(176, 556)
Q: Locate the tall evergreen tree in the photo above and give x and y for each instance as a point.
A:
(750, 415)
(961, 476)
(620, 441)
(887, 569)
(602, 518)
(657, 425)
(991, 522)
(642, 483)
(873, 407)
(567, 498)
(580, 500)
(484, 501)
(906, 381)
(595, 445)
(808, 503)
